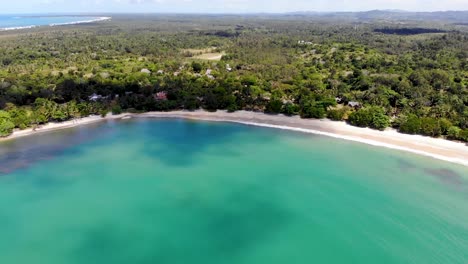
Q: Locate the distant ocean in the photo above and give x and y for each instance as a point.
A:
(11, 22)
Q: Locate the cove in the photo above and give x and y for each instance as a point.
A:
(178, 191)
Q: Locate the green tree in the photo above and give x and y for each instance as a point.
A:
(444, 124)
(59, 112)
(463, 135)
(337, 114)
(360, 118)
(20, 116)
(373, 117)
(312, 110)
(6, 125)
(83, 109)
(72, 109)
(197, 67)
(116, 109)
(453, 132)
(290, 109)
(410, 124)
(380, 119)
(430, 127)
(43, 110)
(274, 106)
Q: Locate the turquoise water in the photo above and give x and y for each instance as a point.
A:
(11, 21)
(175, 191)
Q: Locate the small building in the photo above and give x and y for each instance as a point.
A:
(228, 67)
(303, 42)
(161, 96)
(104, 75)
(354, 104)
(145, 71)
(208, 74)
(160, 72)
(95, 97)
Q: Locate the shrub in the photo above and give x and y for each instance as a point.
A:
(313, 110)
(103, 113)
(337, 114)
(430, 127)
(453, 132)
(373, 117)
(290, 109)
(360, 118)
(410, 125)
(274, 106)
(6, 125)
(116, 110)
(197, 67)
(463, 135)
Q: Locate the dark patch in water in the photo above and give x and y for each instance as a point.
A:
(196, 230)
(174, 142)
(446, 176)
(405, 165)
(179, 141)
(27, 151)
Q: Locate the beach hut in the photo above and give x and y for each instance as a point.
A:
(161, 96)
(95, 97)
(354, 104)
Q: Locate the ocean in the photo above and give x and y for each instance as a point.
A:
(178, 191)
(10, 22)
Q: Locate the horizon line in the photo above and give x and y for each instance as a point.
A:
(230, 13)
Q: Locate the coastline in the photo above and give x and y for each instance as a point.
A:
(97, 19)
(53, 126)
(437, 148)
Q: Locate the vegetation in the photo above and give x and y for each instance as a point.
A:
(295, 65)
(6, 125)
(373, 117)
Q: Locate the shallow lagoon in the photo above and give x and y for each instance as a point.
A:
(176, 191)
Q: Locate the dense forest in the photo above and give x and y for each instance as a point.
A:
(410, 75)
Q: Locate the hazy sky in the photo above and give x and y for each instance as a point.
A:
(223, 6)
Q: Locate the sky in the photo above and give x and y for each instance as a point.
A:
(222, 6)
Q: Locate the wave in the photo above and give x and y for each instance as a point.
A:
(58, 24)
(355, 139)
(368, 141)
(81, 21)
(17, 28)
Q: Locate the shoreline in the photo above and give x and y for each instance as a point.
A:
(437, 148)
(97, 19)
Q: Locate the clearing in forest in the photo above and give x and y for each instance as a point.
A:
(203, 54)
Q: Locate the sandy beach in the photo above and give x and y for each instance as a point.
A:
(432, 147)
(52, 126)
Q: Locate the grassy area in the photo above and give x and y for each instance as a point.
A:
(212, 54)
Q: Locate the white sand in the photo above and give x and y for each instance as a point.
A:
(57, 126)
(432, 147)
